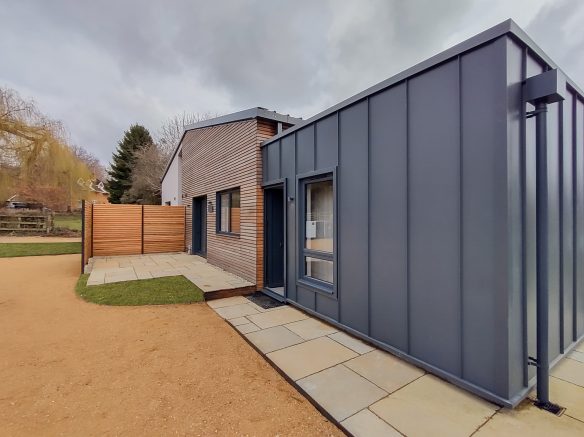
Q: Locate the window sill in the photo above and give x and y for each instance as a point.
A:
(228, 234)
(323, 288)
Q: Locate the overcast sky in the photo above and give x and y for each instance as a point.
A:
(100, 66)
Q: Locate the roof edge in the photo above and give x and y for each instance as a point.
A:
(246, 114)
(507, 27)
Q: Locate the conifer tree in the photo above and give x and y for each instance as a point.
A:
(120, 173)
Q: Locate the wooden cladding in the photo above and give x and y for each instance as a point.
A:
(133, 229)
(225, 157)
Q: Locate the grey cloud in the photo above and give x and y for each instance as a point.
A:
(100, 66)
(558, 29)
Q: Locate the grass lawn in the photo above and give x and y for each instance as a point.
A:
(68, 221)
(9, 250)
(157, 291)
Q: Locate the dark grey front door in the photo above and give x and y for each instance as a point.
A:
(274, 238)
(200, 226)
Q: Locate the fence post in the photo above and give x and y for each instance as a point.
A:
(142, 229)
(92, 208)
(82, 236)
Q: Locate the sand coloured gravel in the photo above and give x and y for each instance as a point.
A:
(73, 368)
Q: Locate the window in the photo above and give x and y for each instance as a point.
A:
(318, 231)
(228, 212)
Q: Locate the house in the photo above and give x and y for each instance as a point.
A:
(93, 190)
(216, 172)
(438, 215)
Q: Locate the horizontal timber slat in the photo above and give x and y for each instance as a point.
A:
(133, 229)
(164, 228)
(222, 157)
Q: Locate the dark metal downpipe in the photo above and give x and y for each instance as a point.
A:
(541, 90)
(543, 367)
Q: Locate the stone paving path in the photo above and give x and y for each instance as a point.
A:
(132, 267)
(372, 393)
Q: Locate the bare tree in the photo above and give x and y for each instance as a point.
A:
(92, 162)
(171, 131)
(150, 162)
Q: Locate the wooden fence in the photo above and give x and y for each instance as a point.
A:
(28, 221)
(110, 230)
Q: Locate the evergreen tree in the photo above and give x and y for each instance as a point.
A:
(120, 173)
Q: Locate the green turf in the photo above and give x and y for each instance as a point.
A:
(68, 221)
(157, 291)
(8, 250)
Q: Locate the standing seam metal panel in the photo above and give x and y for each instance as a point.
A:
(516, 374)
(579, 269)
(567, 234)
(434, 251)
(353, 219)
(434, 176)
(484, 218)
(423, 314)
(305, 154)
(388, 219)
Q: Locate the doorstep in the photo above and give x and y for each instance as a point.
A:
(380, 394)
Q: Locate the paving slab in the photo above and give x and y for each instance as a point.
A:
(417, 403)
(367, 424)
(388, 372)
(228, 301)
(570, 370)
(529, 421)
(162, 273)
(143, 275)
(257, 307)
(206, 276)
(310, 328)
(119, 271)
(247, 328)
(569, 396)
(110, 279)
(310, 357)
(431, 406)
(580, 347)
(98, 278)
(238, 321)
(271, 339)
(280, 316)
(576, 355)
(351, 342)
(340, 391)
(234, 311)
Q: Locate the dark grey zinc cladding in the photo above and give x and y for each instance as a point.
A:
(435, 200)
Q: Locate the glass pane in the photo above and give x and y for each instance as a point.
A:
(318, 232)
(321, 269)
(224, 199)
(235, 212)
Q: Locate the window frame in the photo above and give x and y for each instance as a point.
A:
(326, 288)
(218, 205)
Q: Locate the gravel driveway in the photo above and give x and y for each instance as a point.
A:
(72, 368)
